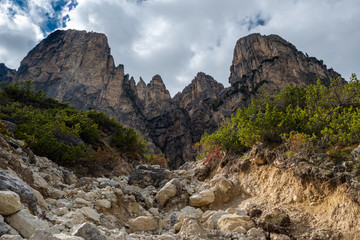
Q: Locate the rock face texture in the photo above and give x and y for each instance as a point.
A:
(76, 67)
(273, 62)
(6, 74)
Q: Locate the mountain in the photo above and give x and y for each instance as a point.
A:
(77, 67)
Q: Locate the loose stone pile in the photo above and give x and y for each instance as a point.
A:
(40, 200)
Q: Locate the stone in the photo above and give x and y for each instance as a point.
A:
(80, 202)
(189, 212)
(212, 220)
(11, 237)
(145, 176)
(256, 234)
(9, 203)
(63, 236)
(230, 222)
(103, 203)
(73, 218)
(88, 231)
(191, 227)
(133, 207)
(143, 223)
(166, 236)
(39, 182)
(26, 223)
(90, 213)
(6, 229)
(202, 199)
(356, 152)
(166, 192)
(275, 236)
(42, 235)
(27, 196)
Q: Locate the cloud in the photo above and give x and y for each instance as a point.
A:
(24, 23)
(178, 38)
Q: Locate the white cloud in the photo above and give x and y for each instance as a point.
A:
(18, 34)
(178, 38)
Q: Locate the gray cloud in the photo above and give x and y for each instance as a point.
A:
(178, 38)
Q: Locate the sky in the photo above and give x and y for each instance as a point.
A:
(179, 38)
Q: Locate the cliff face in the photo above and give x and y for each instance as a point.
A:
(6, 74)
(272, 62)
(76, 67)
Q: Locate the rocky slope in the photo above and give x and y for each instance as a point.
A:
(76, 67)
(40, 200)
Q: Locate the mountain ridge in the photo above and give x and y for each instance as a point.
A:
(77, 67)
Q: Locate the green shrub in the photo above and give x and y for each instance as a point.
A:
(62, 133)
(323, 115)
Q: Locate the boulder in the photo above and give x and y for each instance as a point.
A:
(9, 203)
(80, 202)
(27, 196)
(256, 234)
(26, 223)
(189, 212)
(211, 221)
(191, 228)
(202, 199)
(166, 192)
(6, 229)
(64, 236)
(230, 222)
(143, 223)
(103, 203)
(88, 231)
(145, 176)
(275, 236)
(90, 213)
(42, 235)
(11, 237)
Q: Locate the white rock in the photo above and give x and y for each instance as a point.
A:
(256, 234)
(90, 213)
(9, 203)
(62, 211)
(230, 222)
(10, 237)
(166, 236)
(211, 222)
(275, 236)
(63, 236)
(143, 223)
(88, 231)
(39, 182)
(166, 192)
(56, 193)
(203, 198)
(103, 203)
(26, 223)
(189, 212)
(80, 202)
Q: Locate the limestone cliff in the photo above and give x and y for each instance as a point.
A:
(6, 74)
(272, 62)
(77, 67)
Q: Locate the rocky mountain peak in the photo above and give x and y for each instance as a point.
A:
(260, 58)
(76, 67)
(157, 89)
(6, 74)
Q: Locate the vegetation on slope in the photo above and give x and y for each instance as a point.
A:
(315, 119)
(62, 133)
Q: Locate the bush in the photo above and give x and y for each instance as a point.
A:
(62, 133)
(321, 115)
(157, 159)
